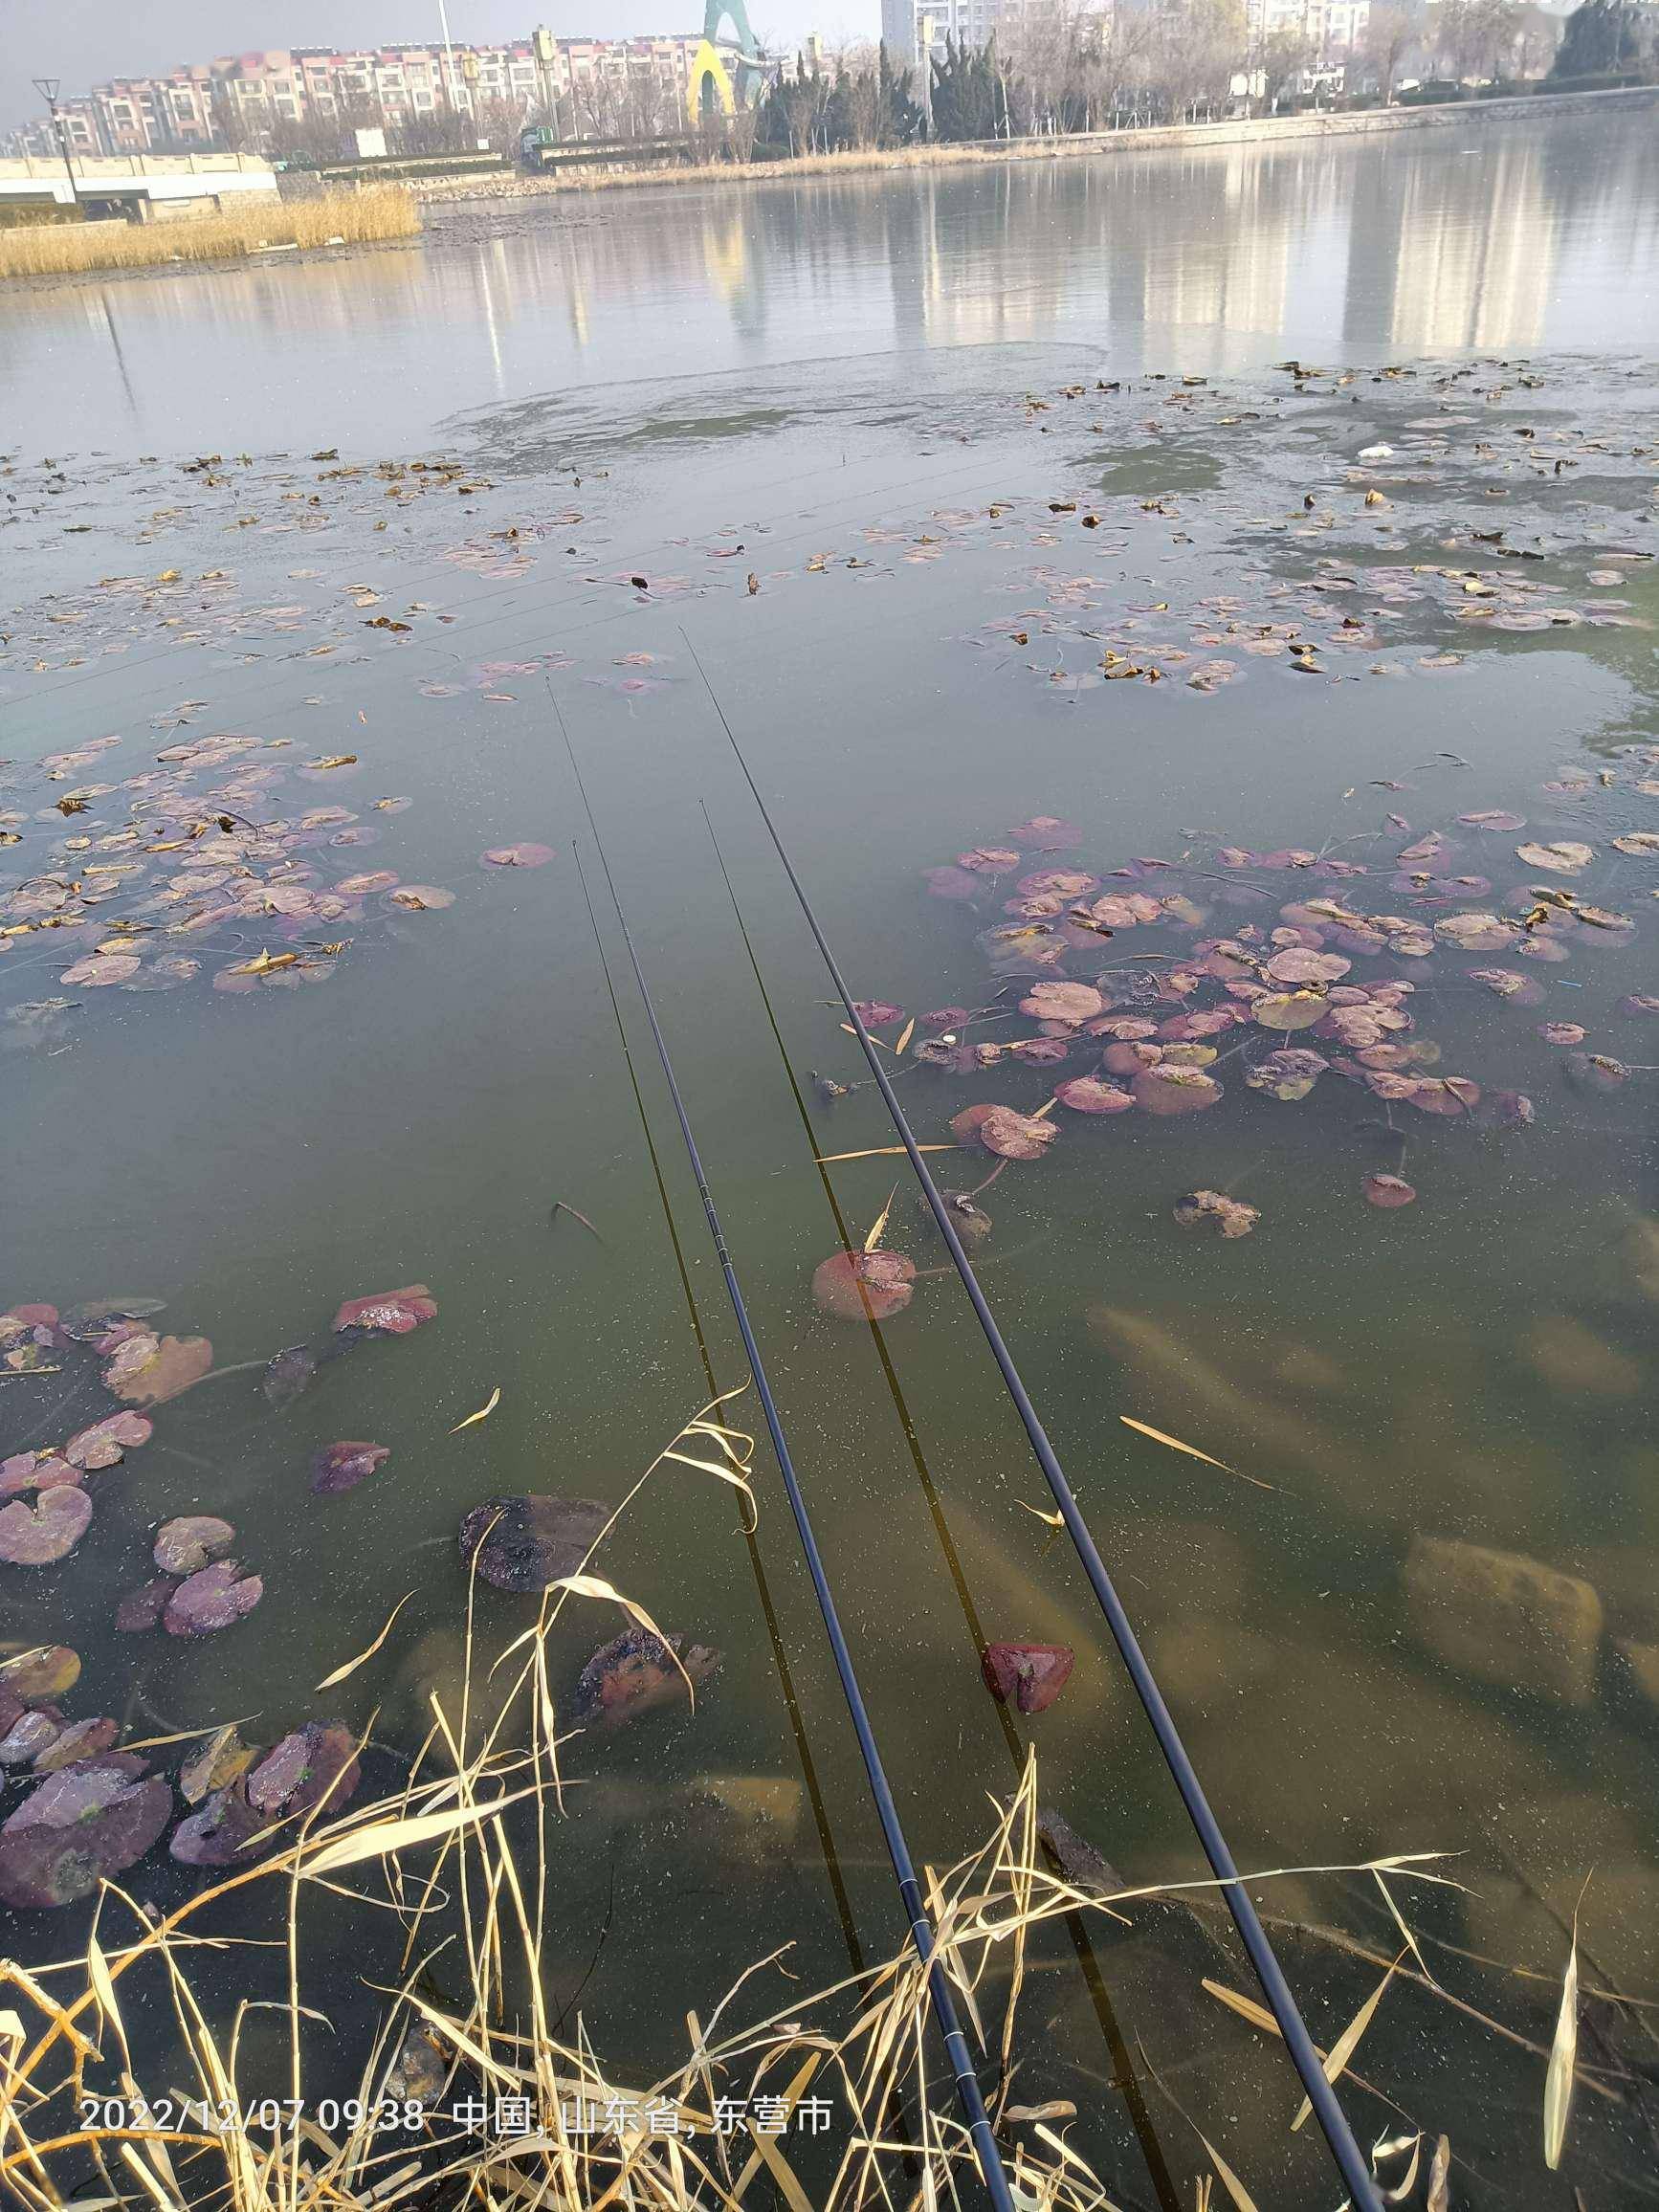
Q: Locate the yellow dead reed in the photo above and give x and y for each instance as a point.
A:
(378, 212)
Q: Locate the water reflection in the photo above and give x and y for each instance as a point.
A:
(1506, 237)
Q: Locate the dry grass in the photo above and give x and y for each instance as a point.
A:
(459, 1866)
(848, 162)
(367, 217)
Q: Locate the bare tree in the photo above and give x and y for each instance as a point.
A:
(1389, 31)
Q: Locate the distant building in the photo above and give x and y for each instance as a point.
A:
(1332, 28)
(911, 29)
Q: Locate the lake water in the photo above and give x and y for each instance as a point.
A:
(981, 497)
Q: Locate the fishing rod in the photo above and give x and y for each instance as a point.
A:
(921, 1931)
(1350, 2162)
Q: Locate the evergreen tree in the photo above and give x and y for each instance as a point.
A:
(966, 98)
(1599, 38)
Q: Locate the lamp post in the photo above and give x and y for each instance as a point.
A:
(47, 88)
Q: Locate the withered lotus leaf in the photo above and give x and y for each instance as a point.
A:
(340, 1466)
(876, 1013)
(81, 1824)
(186, 1545)
(863, 1285)
(218, 1763)
(1562, 858)
(1030, 1676)
(525, 1543)
(1231, 1215)
(1287, 1009)
(213, 1599)
(224, 1832)
(1476, 931)
(35, 1535)
(1000, 1130)
(526, 855)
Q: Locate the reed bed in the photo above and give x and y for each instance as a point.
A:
(367, 218)
(456, 1869)
(848, 160)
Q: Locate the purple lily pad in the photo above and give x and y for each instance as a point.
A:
(874, 1013)
(315, 1766)
(106, 1440)
(185, 1546)
(340, 1466)
(637, 1673)
(142, 1609)
(525, 1543)
(35, 1470)
(215, 1597)
(1063, 1002)
(39, 1534)
(223, 1832)
(863, 1285)
(31, 1734)
(1168, 1090)
(82, 1823)
(1027, 1675)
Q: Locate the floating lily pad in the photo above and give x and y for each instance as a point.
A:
(142, 1609)
(518, 857)
(1564, 858)
(863, 1285)
(30, 1734)
(35, 1677)
(219, 1762)
(1089, 1095)
(287, 1373)
(420, 897)
(1062, 1002)
(1287, 1009)
(1288, 1074)
(1493, 818)
(1562, 1032)
(35, 1470)
(1027, 1675)
(1387, 1190)
(1002, 1131)
(146, 1370)
(1231, 1216)
(1169, 1090)
(1299, 965)
(1046, 833)
(874, 1013)
(214, 1599)
(81, 1824)
(389, 1313)
(1590, 1070)
(80, 1739)
(186, 1545)
(100, 969)
(316, 1766)
(338, 1466)
(107, 1441)
(35, 1535)
(636, 1674)
(525, 1543)
(224, 1832)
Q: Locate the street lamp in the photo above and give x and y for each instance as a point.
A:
(47, 88)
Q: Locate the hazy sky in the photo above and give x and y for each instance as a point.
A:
(84, 40)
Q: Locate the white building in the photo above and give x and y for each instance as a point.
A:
(913, 28)
(1332, 28)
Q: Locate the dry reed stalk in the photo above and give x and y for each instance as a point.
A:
(377, 213)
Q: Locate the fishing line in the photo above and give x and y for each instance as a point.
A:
(779, 1657)
(921, 1932)
(1350, 2162)
(1125, 2079)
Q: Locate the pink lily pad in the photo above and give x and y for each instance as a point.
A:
(525, 1543)
(214, 1599)
(340, 1466)
(185, 1546)
(146, 1370)
(1494, 819)
(420, 897)
(1564, 858)
(1562, 1032)
(1046, 833)
(876, 1013)
(39, 1534)
(1027, 1675)
(389, 1313)
(35, 1470)
(106, 1440)
(1063, 1002)
(1089, 1095)
(1168, 1090)
(863, 1285)
(100, 968)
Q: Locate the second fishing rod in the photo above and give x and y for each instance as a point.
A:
(921, 1928)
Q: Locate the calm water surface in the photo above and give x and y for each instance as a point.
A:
(849, 433)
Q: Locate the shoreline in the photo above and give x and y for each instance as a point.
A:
(1076, 146)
